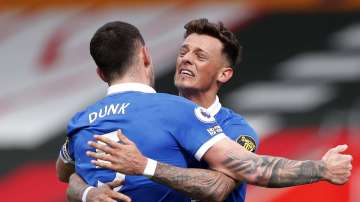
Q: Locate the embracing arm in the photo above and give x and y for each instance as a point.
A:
(105, 192)
(201, 184)
(229, 158)
(64, 170)
(76, 188)
(268, 171)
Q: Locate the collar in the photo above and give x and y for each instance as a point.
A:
(123, 87)
(214, 107)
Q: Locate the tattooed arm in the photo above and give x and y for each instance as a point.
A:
(268, 171)
(200, 184)
(273, 171)
(229, 158)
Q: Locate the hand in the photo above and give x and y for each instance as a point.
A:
(337, 166)
(121, 157)
(105, 193)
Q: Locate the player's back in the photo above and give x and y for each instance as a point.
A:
(145, 119)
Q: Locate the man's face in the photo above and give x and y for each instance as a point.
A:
(199, 60)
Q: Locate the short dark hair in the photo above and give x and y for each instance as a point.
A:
(113, 46)
(231, 46)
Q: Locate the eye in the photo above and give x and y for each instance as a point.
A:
(201, 57)
(182, 51)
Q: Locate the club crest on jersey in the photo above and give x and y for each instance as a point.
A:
(247, 142)
(203, 115)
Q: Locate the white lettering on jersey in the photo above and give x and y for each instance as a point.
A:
(108, 110)
(92, 117)
(123, 107)
(101, 114)
(215, 130)
(112, 109)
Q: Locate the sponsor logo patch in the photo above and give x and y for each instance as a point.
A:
(215, 130)
(203, 115)
(247, 142)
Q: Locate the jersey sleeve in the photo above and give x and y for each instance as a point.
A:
(243, 134)
(197, 131)
(66, 153)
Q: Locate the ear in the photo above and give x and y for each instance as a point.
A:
(101, 74)
(146, 56)
(225, 74)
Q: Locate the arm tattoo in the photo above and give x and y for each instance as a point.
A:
(274, 171)
(197, 183)
(76, 188)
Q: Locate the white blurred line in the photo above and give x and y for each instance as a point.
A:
(348, 38)
(264, 124)
(321, 67)
(283, 97)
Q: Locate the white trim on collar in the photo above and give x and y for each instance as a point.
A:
(215, 107)
(123, 87)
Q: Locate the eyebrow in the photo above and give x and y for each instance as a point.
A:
(196, 49)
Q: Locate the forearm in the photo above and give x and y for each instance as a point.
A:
(199, 184)
(76, 188)
(64, 170)
(271, 171)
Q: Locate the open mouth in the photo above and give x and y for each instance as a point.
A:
(186, 72)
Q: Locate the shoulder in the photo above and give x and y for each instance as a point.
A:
(182, 110)
(173, 99)
(238, 122)
(81, 118)
(239, 129)
(174, 103)
(233, 118)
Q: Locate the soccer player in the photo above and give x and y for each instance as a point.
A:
(223, 155)
(123, 62)
(206, 60)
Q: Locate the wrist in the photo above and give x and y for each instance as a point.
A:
(322, 170)
(141, 165)
(150, 167)
(85, 193)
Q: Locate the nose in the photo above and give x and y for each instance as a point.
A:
(186, 59)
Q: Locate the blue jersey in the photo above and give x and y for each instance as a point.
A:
(164, 127)
(235, 127)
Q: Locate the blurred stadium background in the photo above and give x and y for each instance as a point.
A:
(298, 84)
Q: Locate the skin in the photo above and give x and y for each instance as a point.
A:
(66, 170)
(103, 193)
(202, 56)
(207, 70)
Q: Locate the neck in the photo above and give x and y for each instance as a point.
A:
(203, 99)
(120, 81)
(130, 78)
